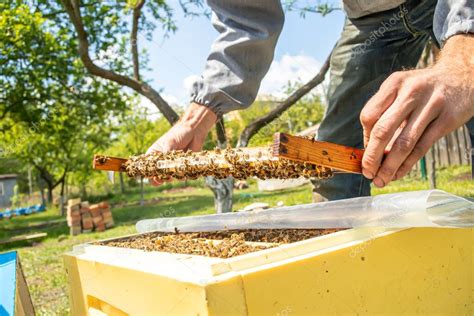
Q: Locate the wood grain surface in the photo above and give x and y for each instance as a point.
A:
(108, 163)
(330, 155)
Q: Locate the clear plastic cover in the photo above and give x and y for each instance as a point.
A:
(430, 208)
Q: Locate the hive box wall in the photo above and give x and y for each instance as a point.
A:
(364, 271)
(130, 292)
(135, 288)
(415, 271)
(226, 297)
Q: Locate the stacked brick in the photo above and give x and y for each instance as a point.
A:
(106, 214)
(83, 217)
(74, 216)
(86, 218)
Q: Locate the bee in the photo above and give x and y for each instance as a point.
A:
(221, 163)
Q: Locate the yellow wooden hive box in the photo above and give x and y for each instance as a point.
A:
(358, 271)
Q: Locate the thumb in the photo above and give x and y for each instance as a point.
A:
(156, 147)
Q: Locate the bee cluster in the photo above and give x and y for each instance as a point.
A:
(240, 163)
(222, 244)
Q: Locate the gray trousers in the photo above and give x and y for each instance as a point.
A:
(369, 50)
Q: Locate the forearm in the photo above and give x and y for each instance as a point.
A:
(198, 117)
(458, 51)
(241, 55)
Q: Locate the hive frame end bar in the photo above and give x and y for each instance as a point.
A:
(108, 163)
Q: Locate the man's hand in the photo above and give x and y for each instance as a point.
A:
(413, 109)
(188, 133)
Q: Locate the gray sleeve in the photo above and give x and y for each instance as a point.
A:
(453, 17)
(241, 55)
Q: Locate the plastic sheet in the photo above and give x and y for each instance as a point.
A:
(431, 208)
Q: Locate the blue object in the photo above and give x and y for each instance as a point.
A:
(23, 211)
(30, 210)
(20, 211)
(8, 266)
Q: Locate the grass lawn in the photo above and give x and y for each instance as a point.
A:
(42, 261)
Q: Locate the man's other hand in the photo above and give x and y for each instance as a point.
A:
(189, 133)
(415, 108)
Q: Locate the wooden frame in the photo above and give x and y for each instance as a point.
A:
(300, 149)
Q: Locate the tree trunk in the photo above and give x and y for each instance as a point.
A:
(30, 183)
(223, 193)
(45, 176)
(66, 191)
(142, 200)
(221, 188)
(84, 190)
(122, 184)
(61, 198)
(50, 194)
(41, 187)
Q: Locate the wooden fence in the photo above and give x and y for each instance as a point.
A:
(453, 149)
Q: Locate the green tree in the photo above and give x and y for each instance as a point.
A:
(51, 110)
(305, 113)
(137, 132)
(135, 136)
(31, 60)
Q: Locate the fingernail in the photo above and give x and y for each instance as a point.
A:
(367, 174)
(379, 182)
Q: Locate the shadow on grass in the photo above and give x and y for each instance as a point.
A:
(53, 232)
(26, 220)
(250, 194)
(168, 207)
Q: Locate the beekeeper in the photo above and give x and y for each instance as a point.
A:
(376, 97)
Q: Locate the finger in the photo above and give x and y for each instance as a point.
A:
(196, 144)
(382, 133)
(379, 103)
(395, 135)
(405, 142)
(155, 182)
(177, 137)
(156, 147)
(434, 132)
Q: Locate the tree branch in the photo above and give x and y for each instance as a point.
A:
(7, 109)
(61, 179)
(134, 40)
(255, 126)
(221, 136)
(53, 14)
(44, 174)
(73, 10)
